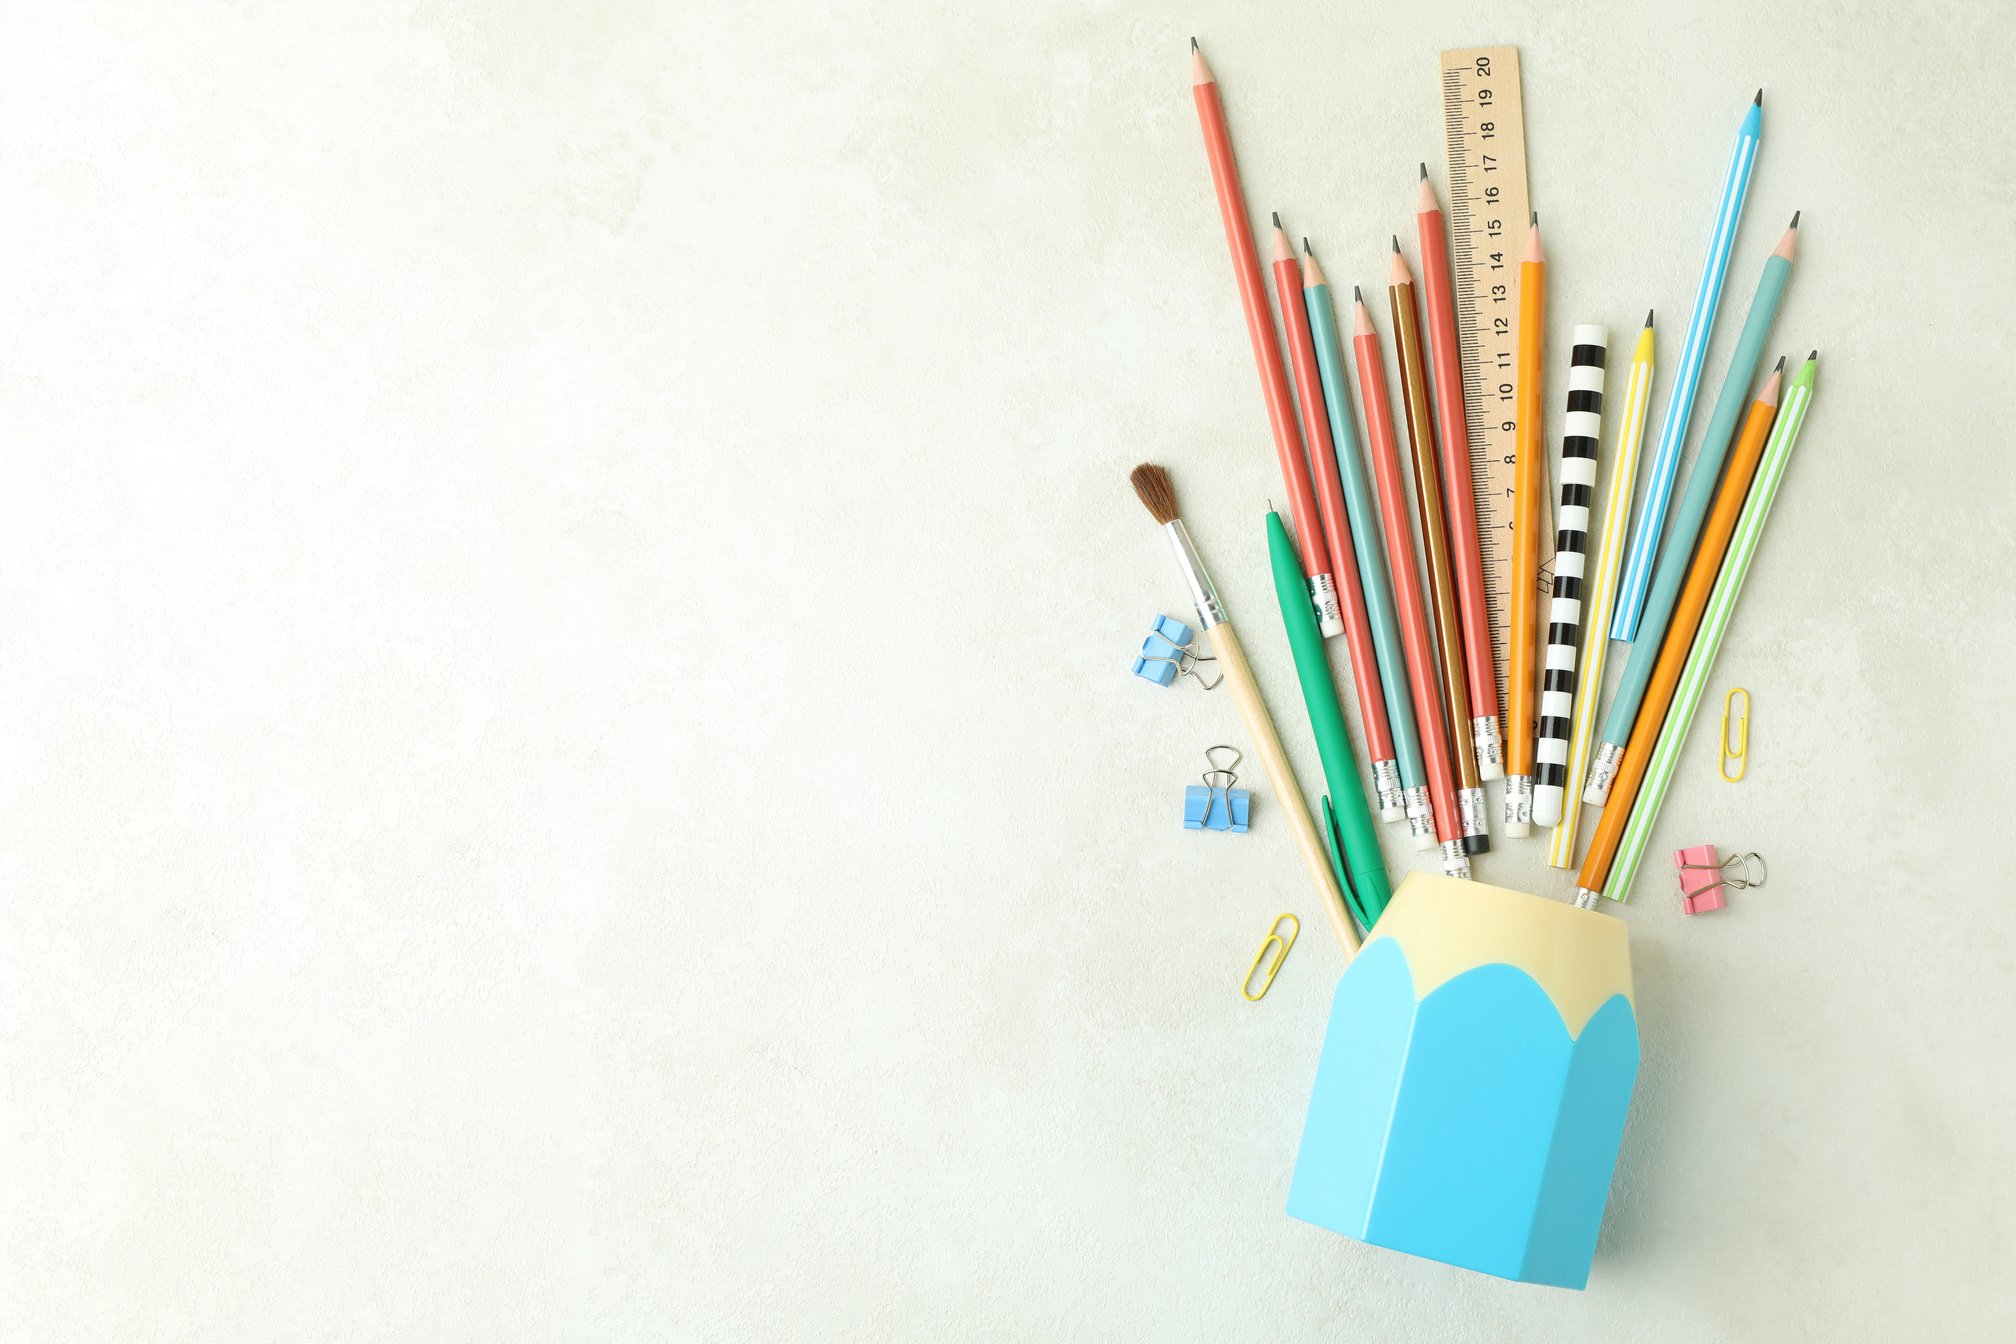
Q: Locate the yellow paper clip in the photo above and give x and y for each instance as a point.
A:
(1736, 749)
(1274, 938)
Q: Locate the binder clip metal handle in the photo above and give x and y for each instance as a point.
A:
(1170, 652)
(1703, 877)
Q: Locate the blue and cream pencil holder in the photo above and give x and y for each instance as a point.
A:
(1470, 1099)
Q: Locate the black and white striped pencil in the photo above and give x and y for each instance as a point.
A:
(1580, 436)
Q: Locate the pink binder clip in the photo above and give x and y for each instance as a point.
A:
(1703, 877)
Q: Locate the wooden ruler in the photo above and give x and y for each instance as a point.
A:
(1484, 133)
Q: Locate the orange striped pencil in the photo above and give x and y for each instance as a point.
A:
(1528, 517)
(1309, 537)
(1679, 641)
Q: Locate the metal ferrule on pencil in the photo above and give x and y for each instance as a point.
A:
(1210, 611)
(1586, 899)
(1455, 863)
(1420, 817)
(1603, 773)
(1386, 784)
(1470, 806)
(1490, 749)
(1519, 801)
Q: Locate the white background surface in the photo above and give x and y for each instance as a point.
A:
(570, 769)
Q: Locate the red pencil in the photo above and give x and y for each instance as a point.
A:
(1459, 495)
(1422, 682)
(1343, 556)
(1260, 328)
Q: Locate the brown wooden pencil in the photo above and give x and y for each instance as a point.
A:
(1435, 545)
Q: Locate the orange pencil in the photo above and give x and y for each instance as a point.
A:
(1679, 641)
(1266, 352)
(1528, 517)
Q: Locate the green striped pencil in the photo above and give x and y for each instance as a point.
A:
(1363, 513)
(1714, 624)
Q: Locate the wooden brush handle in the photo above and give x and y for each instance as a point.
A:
(1281, 778)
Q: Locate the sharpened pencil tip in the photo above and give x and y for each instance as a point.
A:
(1779, 367)
(1648, 317)
(1357, 294)
(1193, 44)
(1795, 218)
(1759, 99)
(1305, 244)
(1535, 220)
(1396, 242)
(1424, 171)
(1815, 355)
(1277, 219)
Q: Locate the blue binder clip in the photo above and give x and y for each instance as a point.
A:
(1215, 805)
(1169, 652)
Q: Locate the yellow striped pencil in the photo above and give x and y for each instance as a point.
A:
(1601, 595)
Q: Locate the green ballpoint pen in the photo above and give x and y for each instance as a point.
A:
(1347, 820)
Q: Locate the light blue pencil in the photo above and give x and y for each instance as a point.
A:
(1693, 353)
(1687, 518)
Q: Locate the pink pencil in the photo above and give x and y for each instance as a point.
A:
(1460, 508)
(1336, 526)
(1266, 354)
(1422, 682)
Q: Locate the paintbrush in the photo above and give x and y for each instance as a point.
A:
(1158, 496)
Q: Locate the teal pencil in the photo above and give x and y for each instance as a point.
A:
(1363, 512)
(1685, 528)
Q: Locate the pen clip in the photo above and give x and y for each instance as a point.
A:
(1333, 840)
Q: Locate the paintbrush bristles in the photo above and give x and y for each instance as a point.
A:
(1158, 496)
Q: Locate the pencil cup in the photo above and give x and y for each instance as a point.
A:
(1471, 1096)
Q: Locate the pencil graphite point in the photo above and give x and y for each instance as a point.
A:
(1396, 242)
(1277, 219)
(1305, 244)
(1815, 355)
(1648, 317)
(1759, 99)
(1193, 44)
(1357, 295)
(1534, 221)
(1795, 218)
(1779, 367)
(1424, 170)
(1312, 269)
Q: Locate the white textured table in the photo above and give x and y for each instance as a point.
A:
(571, 771)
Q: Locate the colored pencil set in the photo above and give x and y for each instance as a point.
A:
(1405, 587)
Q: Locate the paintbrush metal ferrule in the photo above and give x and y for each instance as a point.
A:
(1210, 611)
